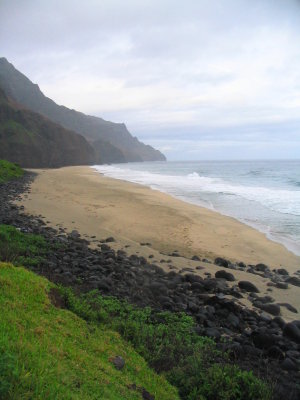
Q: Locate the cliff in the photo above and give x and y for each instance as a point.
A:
(120, 145)
(34, 141)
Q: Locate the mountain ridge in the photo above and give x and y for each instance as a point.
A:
(19, 88)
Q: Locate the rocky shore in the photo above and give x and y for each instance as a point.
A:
(258, 339)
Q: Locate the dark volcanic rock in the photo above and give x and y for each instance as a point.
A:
(261, 267)
(293, 280)
(222, 262)
(282, 271)
(118, 362)
(225, 275)
(248, 286)
(292, 331)
(264, 340)
(282, 285)
(289, 365)
(146, 395)
(289, 307)
(273, 309)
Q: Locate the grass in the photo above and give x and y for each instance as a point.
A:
(169, 344)
(20, 248)
(69, 347)
(50, 353)
(9, 171)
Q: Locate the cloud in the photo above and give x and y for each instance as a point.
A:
(166, 68)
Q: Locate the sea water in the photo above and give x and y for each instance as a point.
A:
(262, 194)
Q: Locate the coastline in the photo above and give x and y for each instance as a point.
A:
(274, 229)
(153, 225)
(83, 199)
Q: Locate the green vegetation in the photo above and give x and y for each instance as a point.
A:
(50, 353)
(20, 248)
(9, 171)
(169, 344)
(46, 353)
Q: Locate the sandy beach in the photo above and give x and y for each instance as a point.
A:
(98, 207)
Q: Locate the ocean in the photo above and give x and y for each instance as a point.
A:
(262, 194)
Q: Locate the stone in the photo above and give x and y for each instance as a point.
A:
(293, 280)
(193, 278)
(118, 362)
(221, 262)
(109, 239)
(275, 352)
(248, 286)
(282, 285)
(292, 331)
(261, 267)
(289, 307)
(273, 309)
(233, 320)
(263, 340)
(146, 395)
(225, 275)
(289, 365)
(282, 271)
(75, 234)
(279, 321)
(212, 333)
(195, 258)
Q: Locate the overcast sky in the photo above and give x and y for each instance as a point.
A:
(198, 79)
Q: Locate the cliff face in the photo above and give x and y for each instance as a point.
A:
(33, 141)
(94, 129)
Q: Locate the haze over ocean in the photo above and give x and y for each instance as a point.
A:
(262, 194)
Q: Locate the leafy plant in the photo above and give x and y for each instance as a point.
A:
(21, 248)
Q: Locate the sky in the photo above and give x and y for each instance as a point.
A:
(197, 79)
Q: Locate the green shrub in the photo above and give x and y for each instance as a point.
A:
(198, 381)
(168, 342)
(9, 171)
(21, 248)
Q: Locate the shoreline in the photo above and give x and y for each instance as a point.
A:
(289, 244)
(136, 213)
(163, 230)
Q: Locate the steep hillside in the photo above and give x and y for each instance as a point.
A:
(9, 171)
(50, 353)
(23, 91)
(33, 141)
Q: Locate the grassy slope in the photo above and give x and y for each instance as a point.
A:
(9, 171)
(50, 353)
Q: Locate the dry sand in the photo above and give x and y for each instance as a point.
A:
(82, 199)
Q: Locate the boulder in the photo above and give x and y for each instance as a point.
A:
(118, 362)
(248, 286)
(293, 280)
(222, 262)
(292, 331)
(225, 275)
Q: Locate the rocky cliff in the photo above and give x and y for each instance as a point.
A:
(120, 145)
(33, 141)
